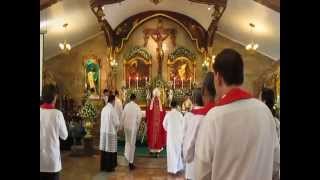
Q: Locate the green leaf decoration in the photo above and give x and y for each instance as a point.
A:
(138, 52)
(182, 52)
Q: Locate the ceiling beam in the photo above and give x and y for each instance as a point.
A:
(47, 3)
(272, 4)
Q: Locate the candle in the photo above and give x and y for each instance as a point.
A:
(190, 82)
(129, 81)
(182, 83)
(174, 82)
(146, 79)
(137, 81)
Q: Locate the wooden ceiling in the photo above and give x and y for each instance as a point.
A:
(272, 4)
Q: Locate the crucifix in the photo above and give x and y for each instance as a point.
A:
(159, 35)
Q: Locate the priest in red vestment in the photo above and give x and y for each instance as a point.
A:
(155, 113)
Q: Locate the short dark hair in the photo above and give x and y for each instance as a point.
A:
(267, 95)
(208, 84)
(48, 93)
(105, 90)
(92, 90)
(174, 103)
(229, 65)
(197, 97)
(111, 98)
(132, 97)
(116, 92)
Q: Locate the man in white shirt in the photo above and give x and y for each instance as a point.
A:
(131, 118)
(237, 138)
(173, 124)
(204, 101)
(105, 96)
(108, 136)
(118, 107)
(52, 127)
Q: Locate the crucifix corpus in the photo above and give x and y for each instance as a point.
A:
(159, 35)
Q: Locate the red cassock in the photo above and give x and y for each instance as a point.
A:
(156, 135)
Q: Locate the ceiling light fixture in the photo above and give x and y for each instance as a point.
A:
(252, 46)
(65, 46)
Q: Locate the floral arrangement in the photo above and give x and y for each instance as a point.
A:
(138, 51)
(88, 112)
(182, 52)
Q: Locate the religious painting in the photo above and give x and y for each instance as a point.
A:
(92, 75)
(181, 68)
(137, 68)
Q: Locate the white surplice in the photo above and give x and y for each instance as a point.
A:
(52, 127)
(190, 131)
(118, 108)
(131, 117)
(108, 129)
(237, 141)
(173, 124)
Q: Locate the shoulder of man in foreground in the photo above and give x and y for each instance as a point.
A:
(218, 111)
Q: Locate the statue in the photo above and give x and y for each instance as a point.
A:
(155, 113)
(159, 35)
(92, 76)
(182, 71)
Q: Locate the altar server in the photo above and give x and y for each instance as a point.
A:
(193, 119)
(52, 127)
(118, 107)
(108, 136)
(237, 138)
(173, 124)
(131, 117)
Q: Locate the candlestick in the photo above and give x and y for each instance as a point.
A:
(137, 81)
(174, 82)
(129, 81)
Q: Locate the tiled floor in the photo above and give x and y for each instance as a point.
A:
(87, 168)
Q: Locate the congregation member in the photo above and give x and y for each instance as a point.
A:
(204, 101)
(52, 127)
(173, 125)
(131, 117)
(108, 136)
(268, 97)
(237, 138)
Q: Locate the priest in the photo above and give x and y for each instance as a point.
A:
(156, 135)
(173, 124)
(131, 117)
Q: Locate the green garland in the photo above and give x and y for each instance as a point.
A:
(138, 51)
(182, 52)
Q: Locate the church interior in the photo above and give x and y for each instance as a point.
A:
(135, 46)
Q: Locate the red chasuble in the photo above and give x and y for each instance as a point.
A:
(156, 135)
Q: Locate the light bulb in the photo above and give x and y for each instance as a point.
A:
(255, 46)
(249, 46)
(209, 8)
(68, 46)
(61, 46)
